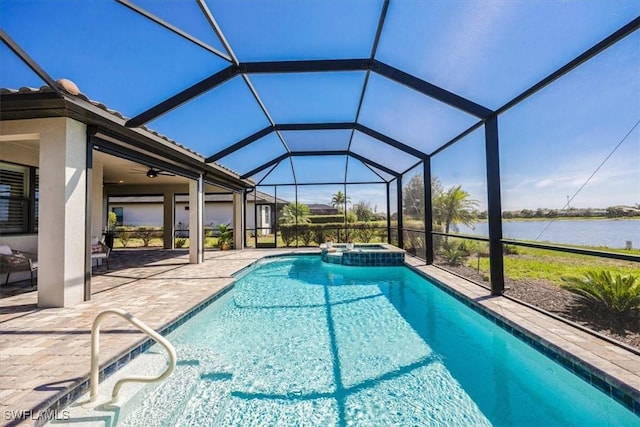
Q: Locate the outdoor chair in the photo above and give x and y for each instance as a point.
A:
(12, 261)
(99, 250)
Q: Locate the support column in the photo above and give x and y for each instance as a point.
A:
(238, 220)
(62, 214)
(400, 216)
(388, 213)
(96, 211)
(168, 219)
(494, 211)
(98, 207)
(196, 221)
(428, 211)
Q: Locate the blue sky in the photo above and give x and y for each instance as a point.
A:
(487, 51)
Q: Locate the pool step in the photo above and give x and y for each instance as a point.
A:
(173, 401)
(211, 396)
(165, 402)
(208, 403)
(211, 393)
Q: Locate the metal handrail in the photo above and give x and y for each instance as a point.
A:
(95, 350)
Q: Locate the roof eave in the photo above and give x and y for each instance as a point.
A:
(45, 103)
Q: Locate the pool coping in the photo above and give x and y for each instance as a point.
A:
(613, 387)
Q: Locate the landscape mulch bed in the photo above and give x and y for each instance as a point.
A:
(550, 297)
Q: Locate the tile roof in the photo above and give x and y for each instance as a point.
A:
(70, 89)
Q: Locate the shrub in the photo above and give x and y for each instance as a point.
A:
(614, 293)
(319, 235)
(124, 235)
(469, 246)
(145, 234)
(483, 250)
(295, 213)
(381, 233)
(181, 234)
(510, 250)
(112, 220)
(306, 236)
(417, 240)
(364, 233)
(288, 234)
(324, 233)
(225, 235)
(438, 240)
(326, 219)
(363, 211)
(453, 254)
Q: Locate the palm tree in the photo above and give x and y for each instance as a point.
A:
(295, 213)
(614, 292)
(339, 200)
(455, 206)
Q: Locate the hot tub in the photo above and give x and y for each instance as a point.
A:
(363, 255)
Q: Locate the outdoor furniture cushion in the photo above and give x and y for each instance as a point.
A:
(100, 251)
(16, 261)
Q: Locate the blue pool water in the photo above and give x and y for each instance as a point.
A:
(299, 342)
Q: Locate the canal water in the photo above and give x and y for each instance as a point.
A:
(612, 233)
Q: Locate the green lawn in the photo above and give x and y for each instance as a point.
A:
(209, 242)
(531, 263)
(137, 243)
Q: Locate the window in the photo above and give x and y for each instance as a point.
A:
(19, 193)
(119, 215)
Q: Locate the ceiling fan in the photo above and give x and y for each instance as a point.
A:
(151, 173)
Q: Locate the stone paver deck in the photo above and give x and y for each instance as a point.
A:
(45, 351)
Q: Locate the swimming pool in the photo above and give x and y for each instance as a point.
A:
(299, 342)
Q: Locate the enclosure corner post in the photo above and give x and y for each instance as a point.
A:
(494, 209)
(400, 216)
(388, 214)
(428, 212)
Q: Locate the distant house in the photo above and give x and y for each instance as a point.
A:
(261, 212)
(322, 209)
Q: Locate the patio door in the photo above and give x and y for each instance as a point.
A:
(265, 226)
